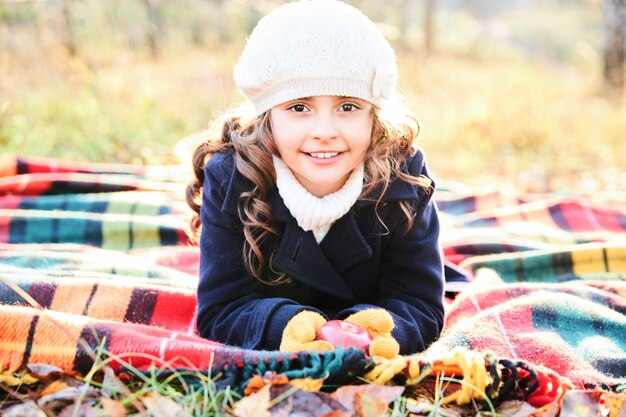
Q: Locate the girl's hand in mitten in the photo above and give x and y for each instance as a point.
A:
(301, 332)
(342, 333)
(379, 324)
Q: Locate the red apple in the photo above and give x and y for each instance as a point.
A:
(342, 333)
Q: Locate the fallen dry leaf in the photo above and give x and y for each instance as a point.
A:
(366, 406)
(46, 372)
(68, 394)
(515, 409)
(423, 407)
(83, 410)
(581, 403)
(337, 413)
(160, 406)
(112, 408)
(53, 387)
(616, 403)
(12, 379)
(254, 405)
(345, 395)
(270, 378)
(290, 401)
(307, 384)
(548, 410)
(25, 409)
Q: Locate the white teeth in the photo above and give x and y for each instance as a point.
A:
(324, 155)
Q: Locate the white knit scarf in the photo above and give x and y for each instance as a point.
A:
(311, 212)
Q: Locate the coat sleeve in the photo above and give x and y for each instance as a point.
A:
(231, 307)
(411, 275)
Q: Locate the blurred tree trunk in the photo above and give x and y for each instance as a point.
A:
(614, 17)
(405, 21)
(429, 11)
(197, 24)
(155, 26)
(67, 25)
(219, 21)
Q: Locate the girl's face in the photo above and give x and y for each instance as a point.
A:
(322, 139)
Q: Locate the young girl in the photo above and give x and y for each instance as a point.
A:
(315, 206)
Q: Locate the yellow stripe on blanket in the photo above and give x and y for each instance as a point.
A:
(110, 302)
(56, 340)
(593, 259)
(116, 232)
(145, 234)
(123, 232)
(617, 259)
(14, 328)
(71, 298)
(118, 206)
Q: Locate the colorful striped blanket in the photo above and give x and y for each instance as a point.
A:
(95, 262)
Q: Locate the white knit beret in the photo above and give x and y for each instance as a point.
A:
(315, 48)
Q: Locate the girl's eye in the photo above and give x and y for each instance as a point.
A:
(348, 107)
(298, 107)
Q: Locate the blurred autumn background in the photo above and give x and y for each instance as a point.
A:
(526, 94)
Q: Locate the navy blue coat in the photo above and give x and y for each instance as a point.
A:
(358, 265)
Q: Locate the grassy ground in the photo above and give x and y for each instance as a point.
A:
(498, 102)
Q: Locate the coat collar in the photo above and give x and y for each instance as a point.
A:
(300, 256)
(237, 183)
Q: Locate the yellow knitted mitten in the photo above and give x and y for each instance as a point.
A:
(379, 324)
(300, 333)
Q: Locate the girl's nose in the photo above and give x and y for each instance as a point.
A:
(324, 128)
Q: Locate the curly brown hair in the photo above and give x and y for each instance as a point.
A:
(393, 133)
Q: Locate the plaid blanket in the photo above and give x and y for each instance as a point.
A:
(94, 260)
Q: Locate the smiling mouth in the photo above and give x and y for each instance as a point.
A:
(323, 155)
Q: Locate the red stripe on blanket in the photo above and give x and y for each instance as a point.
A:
(175, 311)
(608, 219)
(511, 335)
(35, 165)
(10, 202)
(474, 304)
(5, 229)
(24, 185)
(579, 217)
(145, 346)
